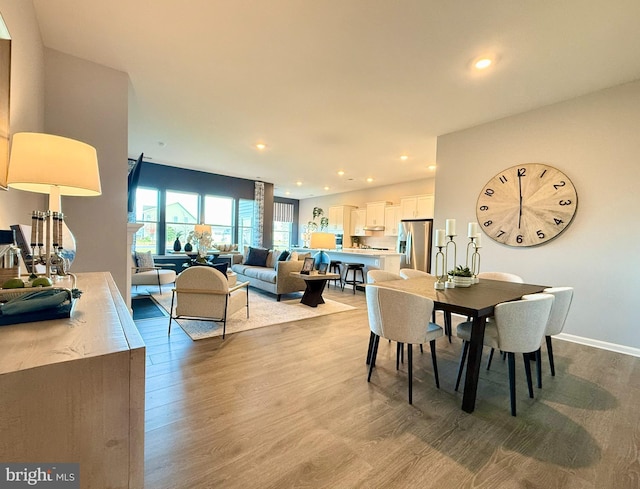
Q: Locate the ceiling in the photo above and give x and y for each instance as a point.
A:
(334, 85)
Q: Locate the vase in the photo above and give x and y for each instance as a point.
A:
(177, 246)
(463, 281)
(188, 248)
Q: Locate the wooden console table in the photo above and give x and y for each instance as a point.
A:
(72, 390)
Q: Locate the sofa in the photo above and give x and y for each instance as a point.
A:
(270, 274)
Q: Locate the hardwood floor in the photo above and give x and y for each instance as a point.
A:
(289, 406)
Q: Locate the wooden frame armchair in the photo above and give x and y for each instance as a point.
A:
(203, 293)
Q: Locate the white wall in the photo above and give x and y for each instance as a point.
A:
(89, 102)
(595, 140)
(27, 99)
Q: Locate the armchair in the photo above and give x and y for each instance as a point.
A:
(203, 293)
(149, 273)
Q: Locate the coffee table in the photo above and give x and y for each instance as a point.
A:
(315, 283)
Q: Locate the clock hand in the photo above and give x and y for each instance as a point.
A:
(520, 189)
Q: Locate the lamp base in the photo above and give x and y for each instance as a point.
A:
(321, 257)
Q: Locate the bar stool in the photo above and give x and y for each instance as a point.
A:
(354, 268)
(334, 267)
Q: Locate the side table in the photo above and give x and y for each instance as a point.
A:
(315, 284)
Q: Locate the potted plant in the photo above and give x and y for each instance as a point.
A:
(462, 276)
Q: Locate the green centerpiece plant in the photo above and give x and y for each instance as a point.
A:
(462, 276)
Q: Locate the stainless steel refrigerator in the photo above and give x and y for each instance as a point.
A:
(414, 243)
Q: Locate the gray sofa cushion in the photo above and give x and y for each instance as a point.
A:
(261, 273)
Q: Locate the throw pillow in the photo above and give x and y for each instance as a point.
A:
(144, 261)
(257, 257)
(284, 256)
(221, 267)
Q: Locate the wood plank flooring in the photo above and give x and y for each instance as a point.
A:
(288, 406)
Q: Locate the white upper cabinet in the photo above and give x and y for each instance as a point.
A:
(375, 214)
(340, 218)
(358, 221)
(417, 207)
(392, 216)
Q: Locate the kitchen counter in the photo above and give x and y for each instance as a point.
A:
(372, 259)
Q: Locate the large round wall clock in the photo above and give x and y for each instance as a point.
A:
(526, 205)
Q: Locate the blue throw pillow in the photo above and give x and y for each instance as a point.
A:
(283, 256)
(257, 257)
(221, 267)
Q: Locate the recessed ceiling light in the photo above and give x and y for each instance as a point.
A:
(162, 144)
(369, 179)
(326, 188)
(261, 146)
(341, 172)
(287, 193)
(431, 167)
(483, 63)
(298, 184)
(404, 157)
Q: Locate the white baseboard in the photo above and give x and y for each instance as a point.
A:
(626, 350)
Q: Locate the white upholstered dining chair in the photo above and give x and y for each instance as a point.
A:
(407, 273)
(374, 276)
(516, 327)
(204, 293)
(403, 317)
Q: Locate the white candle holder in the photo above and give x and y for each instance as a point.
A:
(449, 284)
(440, 269)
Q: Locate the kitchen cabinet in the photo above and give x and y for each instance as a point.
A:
(417, 207)
(358, 221)
(392, 216)
(375, 214)
(340, 218)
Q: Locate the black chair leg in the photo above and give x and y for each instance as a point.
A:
(511, 360)
(432, 345)
(410, 362)
(539, 367)
(463, 358)
(447, 324)
(372, 338)
(374, 353)
(399, 349)
(550, 352)
(527, 371)
(490, 358)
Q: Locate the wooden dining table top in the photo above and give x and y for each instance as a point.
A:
(478, 300)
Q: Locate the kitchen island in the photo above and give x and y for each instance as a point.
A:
(372, 259)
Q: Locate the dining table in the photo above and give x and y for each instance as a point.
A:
(476, 302)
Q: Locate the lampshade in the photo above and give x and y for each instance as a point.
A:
(202, 228)
(46, 164)
(326, 241)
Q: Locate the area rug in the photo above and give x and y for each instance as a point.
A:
(264, 310)
(146, 307)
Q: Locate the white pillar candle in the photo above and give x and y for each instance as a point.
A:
(473, 230)
(439, 237)
(478, 245)
(450, 224)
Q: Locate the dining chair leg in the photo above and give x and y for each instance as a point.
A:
(372, 337)
(421, 349)
(447, 324)
(463, 358)
(373, 357)
(410, 362)
(550, 352)
(399, 348)
(511, 360)
(432, 345)
(539, 367)
(490, 358)
(527, 371)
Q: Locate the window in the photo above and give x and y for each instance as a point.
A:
(282, 225)
(147, 214)
(181, 214)
(218, 212)
(245, 223)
